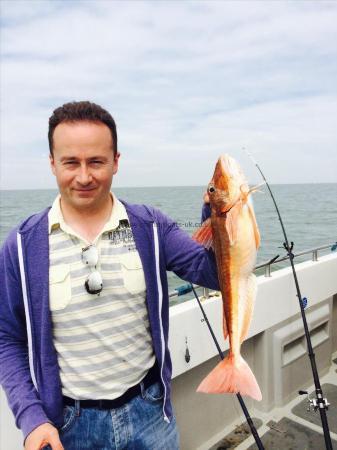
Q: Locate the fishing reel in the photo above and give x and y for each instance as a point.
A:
(289, 249)
(315, 403)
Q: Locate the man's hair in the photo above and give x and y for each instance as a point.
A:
(81, 112)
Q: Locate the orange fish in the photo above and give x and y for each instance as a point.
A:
(233, 234)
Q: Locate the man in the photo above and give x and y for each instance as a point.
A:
(84, 302)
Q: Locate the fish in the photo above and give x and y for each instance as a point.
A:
(232, 232)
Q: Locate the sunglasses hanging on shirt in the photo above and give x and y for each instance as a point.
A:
(94, 283)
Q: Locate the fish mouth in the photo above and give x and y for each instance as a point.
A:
(228, 173)
(223, 173)
(227, 179)
(229, 166)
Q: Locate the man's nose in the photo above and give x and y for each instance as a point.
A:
(84, 176)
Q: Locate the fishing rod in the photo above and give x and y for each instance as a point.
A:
(222, 356)
(319, 403)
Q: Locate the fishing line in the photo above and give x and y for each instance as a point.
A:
(320, 402)
(238, 395)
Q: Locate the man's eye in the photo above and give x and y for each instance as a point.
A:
(96, 162)
(70, 162)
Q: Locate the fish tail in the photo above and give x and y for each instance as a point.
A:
(231, 375)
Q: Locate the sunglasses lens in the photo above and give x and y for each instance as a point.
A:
(90, 255)
(94, 283)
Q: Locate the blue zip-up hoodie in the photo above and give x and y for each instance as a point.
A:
(29, 371)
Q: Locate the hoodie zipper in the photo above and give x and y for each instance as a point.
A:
(26, 306)
(160, 298)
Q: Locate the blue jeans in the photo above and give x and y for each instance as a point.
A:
(137, 425)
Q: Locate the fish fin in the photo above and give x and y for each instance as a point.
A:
(204, 234)
(256, 188)
(255, 227)
(247, 300)
(232, 217)
(246, 191)
(231, 375)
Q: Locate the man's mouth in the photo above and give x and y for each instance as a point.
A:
(85, 189)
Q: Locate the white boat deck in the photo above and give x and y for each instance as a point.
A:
(282, 429)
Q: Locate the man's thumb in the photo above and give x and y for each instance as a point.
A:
(55, 442)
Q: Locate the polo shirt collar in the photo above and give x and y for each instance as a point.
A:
(56, 220)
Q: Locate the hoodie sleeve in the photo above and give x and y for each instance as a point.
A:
(205, 212)
(15, 377)
(185, 257)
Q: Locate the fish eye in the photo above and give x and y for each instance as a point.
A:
(211, 189)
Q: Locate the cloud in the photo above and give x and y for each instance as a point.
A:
(185, 81)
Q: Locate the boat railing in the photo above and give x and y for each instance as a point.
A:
(185, 289)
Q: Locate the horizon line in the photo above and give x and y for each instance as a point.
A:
(166, 186)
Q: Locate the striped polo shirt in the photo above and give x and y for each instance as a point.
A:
(103, 341)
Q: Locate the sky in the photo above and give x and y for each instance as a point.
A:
(186, 81)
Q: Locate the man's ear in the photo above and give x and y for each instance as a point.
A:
(52, 163)
(116, 161)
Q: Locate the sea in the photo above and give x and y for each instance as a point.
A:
(309, 213)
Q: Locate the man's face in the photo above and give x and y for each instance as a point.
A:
(83, 163)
